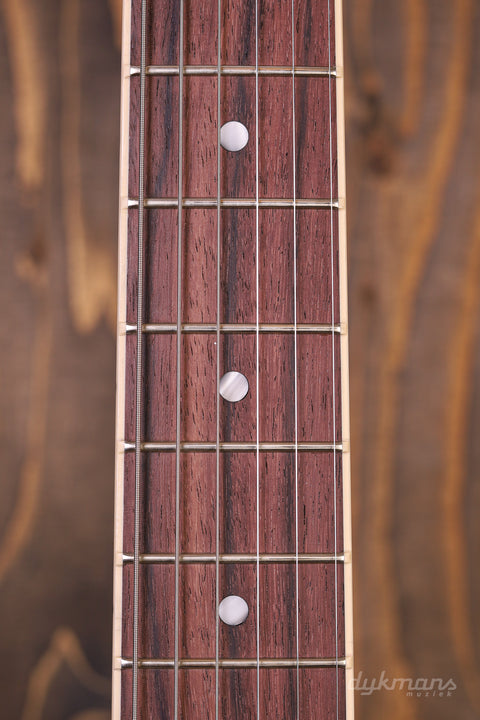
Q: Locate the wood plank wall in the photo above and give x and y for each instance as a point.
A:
(413, 107)
(414, 231)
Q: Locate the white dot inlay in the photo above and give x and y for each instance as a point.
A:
(233, 610)
(233, 136)
(233, 386)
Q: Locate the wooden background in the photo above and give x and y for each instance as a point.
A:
(413, 108)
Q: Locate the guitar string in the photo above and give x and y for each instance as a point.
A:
(179, 355)
(332, 270)
(257, 362)
(295, 372)
(139, 363)
(217, 448)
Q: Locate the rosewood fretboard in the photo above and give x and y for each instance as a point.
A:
(243, 269)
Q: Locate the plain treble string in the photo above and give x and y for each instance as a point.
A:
(179, 358)
(332, 265)
(138, 369)
(295, 371)
(257, 363)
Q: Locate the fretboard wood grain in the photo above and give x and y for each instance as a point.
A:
(318, 371)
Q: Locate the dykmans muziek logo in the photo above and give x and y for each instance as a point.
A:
(418, 687)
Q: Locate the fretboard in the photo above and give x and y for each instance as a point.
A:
(233, 543)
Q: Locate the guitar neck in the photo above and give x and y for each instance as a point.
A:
(232, 546)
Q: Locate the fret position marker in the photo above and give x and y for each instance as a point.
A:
(233, 386)
(233, 136)
(233, 610)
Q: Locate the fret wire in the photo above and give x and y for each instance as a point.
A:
(164, 202)
(139, 361)
(205, 446)
(179, 358)
(257, 363)
(232, 558)
(239, 70)
(333, 353)
(154, 663)
(164, 328)
(297, 609)
(217, 330)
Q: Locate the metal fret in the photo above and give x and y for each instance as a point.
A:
(239, 203)
(265, 328)
(245, 558)
(243, 70)
(235, 446)
(155, 663)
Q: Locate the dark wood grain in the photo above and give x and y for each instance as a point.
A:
(278, 693)
(413, 129)
(238, 33)
(59, 89)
